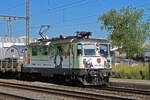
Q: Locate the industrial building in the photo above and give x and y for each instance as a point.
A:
(7, 42)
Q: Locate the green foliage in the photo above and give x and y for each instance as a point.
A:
(128, 30)
(129, 72)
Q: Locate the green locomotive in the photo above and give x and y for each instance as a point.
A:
(78, 58)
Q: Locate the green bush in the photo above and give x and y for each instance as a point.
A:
(131, 72)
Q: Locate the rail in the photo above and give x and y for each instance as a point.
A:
(73, 93)
(127, 90)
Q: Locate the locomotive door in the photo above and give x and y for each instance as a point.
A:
(73, 56)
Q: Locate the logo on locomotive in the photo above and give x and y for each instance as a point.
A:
(87, 63)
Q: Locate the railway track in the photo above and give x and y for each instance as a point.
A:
(67, 93)
(128, 90)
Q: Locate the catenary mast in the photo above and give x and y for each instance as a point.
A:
(27, 21)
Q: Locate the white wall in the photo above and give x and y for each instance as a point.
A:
(6, 42)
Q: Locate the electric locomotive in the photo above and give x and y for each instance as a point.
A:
(78, 58)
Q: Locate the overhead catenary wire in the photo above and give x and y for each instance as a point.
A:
(62, 7)
(13, 7)
(83, 17)
(68, 5)
(64, 26)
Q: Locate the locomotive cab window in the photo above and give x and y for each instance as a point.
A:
(34, 51)
(79, 50)
(89, 49)
(104, 49)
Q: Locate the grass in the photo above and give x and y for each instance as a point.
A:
(130, 72)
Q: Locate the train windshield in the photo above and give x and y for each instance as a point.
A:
(89, 49)
(104, 49)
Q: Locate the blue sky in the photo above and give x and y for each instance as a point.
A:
(64, 16)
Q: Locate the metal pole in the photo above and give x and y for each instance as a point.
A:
(10, 23)
(27, 22)
(9, 28)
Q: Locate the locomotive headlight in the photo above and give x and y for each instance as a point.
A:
(108, 61)
(104, 62)
(108, 65)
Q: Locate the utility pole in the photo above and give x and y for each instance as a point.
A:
(9, 19)
(27, 18)
(9, 28)
(27, 21)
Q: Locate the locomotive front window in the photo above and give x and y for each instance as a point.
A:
(89, 49)
(104, 49)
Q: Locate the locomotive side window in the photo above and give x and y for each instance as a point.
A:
(34, 51)
(79, 50)
(89, 49)
(44, 50)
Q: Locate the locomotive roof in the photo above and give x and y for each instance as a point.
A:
(80, 37)
(67, 40)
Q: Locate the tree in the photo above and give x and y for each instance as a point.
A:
(128, 31)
